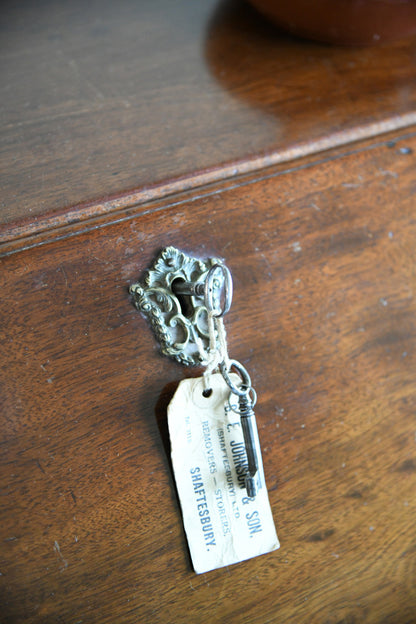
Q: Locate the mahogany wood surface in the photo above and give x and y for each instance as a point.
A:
(324, 317)
(102, 98)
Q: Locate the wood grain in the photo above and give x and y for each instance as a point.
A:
(104, 99)
(323, 259)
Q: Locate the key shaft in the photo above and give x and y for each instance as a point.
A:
(249, 427)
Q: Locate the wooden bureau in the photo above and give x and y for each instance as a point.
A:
(131, 126)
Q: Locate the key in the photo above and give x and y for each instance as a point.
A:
(249, 427)
(248, 422)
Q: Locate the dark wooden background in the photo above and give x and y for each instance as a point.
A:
(132, 126)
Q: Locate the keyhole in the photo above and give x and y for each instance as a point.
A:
(185, 301)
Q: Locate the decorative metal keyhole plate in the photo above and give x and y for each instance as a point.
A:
(179, 321)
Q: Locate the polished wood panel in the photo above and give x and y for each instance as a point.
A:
(324, 317)
(98, 99)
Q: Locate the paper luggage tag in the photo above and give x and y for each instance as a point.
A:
(223, 525)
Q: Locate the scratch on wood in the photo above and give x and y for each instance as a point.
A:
(61, 268)
(384, 172)
(320, 536)
(39, 465)
(58, 552)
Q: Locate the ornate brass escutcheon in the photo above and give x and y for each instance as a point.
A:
(173, 297)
